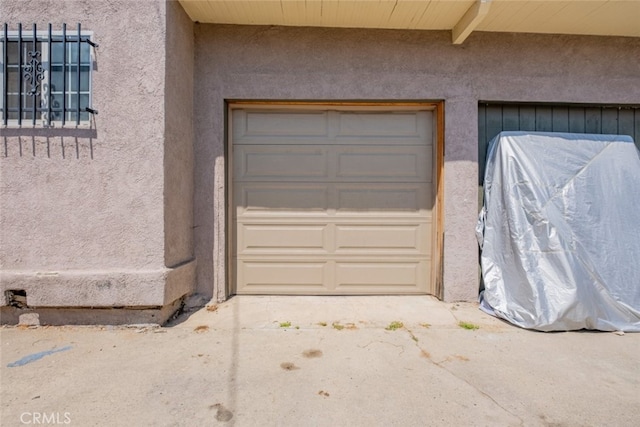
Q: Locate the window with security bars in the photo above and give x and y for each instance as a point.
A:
(46, 76)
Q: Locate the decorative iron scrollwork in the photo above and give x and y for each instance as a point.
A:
(34, 72)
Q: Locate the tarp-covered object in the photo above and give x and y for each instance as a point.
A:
(560, 231)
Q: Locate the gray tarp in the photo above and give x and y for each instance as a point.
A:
(560, 231)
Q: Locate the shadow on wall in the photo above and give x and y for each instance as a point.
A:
(48, 142)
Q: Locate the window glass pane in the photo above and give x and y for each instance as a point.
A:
(56, 52)
(72, 56)
(13, 101)
(13, 52)
(28, 102)
(56, 78)
(85, 50)
(12, 80)
(73, 101)
(56, 104)
(84, 78)
(84, 101)
(13, 104)
(27, 106)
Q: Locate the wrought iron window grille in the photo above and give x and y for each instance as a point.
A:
(46, 76)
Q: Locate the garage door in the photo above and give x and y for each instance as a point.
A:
(332, 201)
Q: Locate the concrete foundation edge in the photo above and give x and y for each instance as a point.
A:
(90, 316)
(100, 289)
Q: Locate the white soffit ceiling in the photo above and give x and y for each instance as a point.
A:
(589, 17)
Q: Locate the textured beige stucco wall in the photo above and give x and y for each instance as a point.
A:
(83, 211)
(178, 158)
(279, 63)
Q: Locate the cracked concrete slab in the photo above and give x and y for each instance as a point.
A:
(284, 361)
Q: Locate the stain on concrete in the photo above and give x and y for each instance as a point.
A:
(36, 356)
(547, 423)
(104, 284)
(455, 357)
(323, 393)
(288, 366)
(222, 413)
(312, 353)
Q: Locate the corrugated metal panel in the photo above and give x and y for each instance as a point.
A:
(496, 117)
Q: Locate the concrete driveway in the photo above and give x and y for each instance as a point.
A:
(319, 361)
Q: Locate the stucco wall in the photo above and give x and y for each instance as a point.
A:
(279, 63)
(83, 210)
(178, 160)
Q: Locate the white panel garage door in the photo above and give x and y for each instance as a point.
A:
(332, 202)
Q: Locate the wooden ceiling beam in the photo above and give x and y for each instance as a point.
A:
(470, 20)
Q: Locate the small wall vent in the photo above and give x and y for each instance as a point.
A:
(16, 298)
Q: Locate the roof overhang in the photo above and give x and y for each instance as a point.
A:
(461, 17)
